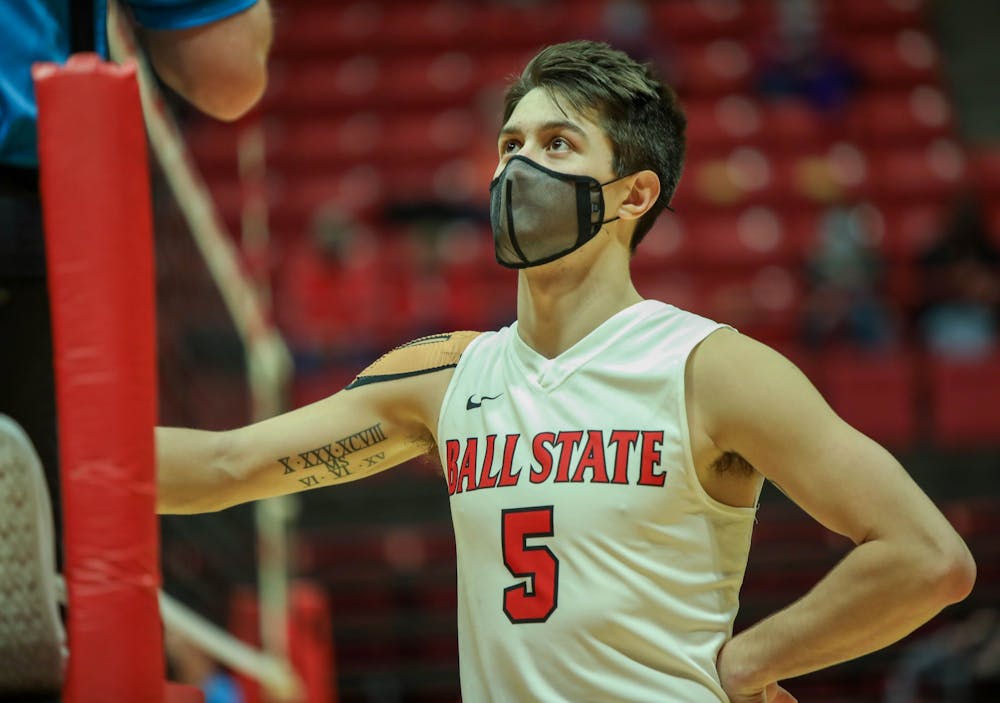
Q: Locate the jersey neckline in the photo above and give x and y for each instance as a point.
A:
(548, 373)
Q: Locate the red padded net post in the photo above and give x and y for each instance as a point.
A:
(95, 194)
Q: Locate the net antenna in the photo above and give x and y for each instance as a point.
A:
(269, 362)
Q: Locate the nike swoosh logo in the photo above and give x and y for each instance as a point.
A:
(472, 404)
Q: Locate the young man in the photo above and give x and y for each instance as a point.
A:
(605, 453)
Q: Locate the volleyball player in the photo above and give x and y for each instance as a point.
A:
(604, 454)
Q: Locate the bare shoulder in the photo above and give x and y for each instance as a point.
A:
(414, 376)
(752, 401)
(733, 378)
(437, 352)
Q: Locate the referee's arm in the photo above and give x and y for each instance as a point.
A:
(219, 67)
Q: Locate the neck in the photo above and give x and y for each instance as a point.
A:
(559, 303)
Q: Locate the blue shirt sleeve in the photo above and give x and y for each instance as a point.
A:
(184, 14)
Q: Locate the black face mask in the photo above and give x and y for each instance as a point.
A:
(539, 215)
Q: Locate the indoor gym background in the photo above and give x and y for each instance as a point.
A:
(831, 157)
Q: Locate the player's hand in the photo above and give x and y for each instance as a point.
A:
(737, 691)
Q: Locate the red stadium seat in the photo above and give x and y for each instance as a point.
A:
(479, 292)
(446, 78)
(748, 237)
(910, 228)
(344, 28)
(763, 302)
(422, 140)
(436, 25)
(875, 393)
(851, 16)
(964, 407)
(907, 58)
(740, 177)
(666, 246)
(314, 144)
(705, 19)
(903, 286)
(537, 24)
(430, 135)
(795, 127)
(344, 84)
(673, 286)
(913, 116)
(922, 172)
(720, 67)
(369, 81)
(719, 124)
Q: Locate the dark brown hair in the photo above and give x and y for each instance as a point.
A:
(638, 112)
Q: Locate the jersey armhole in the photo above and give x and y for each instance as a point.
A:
(685, 431)
(450, 390)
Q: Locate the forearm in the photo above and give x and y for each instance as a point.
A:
(877, 595)
(201, 471)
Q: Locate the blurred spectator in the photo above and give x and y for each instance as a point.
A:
(960, 276)
(797, 62)
(322, 286)
(190, 665)
(627, 25)
(845, 272)
(959, 661)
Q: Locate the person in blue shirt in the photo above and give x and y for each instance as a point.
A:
(213, 53)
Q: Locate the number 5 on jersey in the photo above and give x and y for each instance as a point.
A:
(535, 599)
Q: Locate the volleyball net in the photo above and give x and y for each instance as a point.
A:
(185, 341)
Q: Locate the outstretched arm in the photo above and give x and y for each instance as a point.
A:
(388, 415)
(908, 563)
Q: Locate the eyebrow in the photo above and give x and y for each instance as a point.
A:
(551, 126)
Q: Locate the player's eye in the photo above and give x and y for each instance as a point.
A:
(509, 146)
(559, 144)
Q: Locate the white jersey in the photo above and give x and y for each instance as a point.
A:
(592, 565)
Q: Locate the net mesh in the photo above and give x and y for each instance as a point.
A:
(203, 383)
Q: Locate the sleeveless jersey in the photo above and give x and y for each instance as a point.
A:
(592, 565)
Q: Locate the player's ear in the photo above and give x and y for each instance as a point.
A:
(644, 191)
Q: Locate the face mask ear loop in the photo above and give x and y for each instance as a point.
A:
(596, 226)
(508, 188)
(615, 180)
(585, 212)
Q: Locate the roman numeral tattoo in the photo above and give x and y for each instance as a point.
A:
(333, 456)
